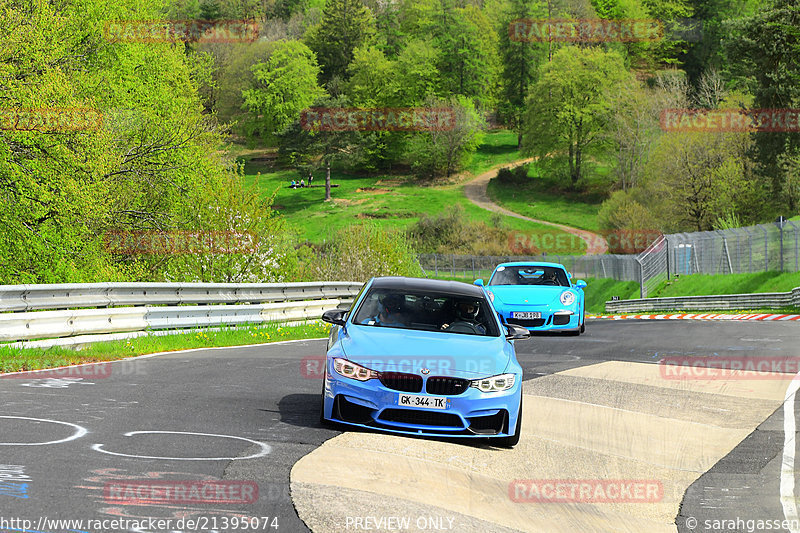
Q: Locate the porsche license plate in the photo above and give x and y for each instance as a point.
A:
(422, 402)
(526, 314)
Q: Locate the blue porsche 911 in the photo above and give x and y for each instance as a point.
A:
(538, 296)
(424, 357)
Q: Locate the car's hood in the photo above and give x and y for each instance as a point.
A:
(442, 354)
(526, 294)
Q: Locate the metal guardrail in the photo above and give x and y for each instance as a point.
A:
(73, 295)
(162, 306)
(708, 303)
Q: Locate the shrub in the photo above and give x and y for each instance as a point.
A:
(359, 252)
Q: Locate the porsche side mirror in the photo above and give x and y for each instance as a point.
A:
(334, 316)
(517, 332)
(478, 282)
(580, 284)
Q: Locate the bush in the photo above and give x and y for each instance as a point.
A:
(360, 252)
(513, 176)
(453, 232)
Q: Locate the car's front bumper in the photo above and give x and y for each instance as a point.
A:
(551, 320)
(472, 413)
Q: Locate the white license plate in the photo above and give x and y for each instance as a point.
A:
(526, 314)
(422, 402)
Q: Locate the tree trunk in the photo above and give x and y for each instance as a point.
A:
(577, 173)
(328, 181)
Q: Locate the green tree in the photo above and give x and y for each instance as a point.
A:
(305, 146)
(468, 59)
(766, 50)
(446, 150)
(520, 63)
(285, 85)
(371, 78)
(570, 106)
(346, 25)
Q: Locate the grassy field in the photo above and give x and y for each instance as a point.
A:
(16, 359)
(542, 199)
(703, 284)
(395, 202)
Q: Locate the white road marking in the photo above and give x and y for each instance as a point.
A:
(80, 431)
(265, 448)
(787, 464)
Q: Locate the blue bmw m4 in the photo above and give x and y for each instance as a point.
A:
(424, 357)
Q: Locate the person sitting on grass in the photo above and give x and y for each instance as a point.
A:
(293, 185)
(302, 182)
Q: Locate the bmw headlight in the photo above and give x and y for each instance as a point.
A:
(351, 370)
(494, 383)
(567, 298)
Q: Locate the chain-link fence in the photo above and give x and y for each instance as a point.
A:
(761, 248)
(739, 250)
(471, 267)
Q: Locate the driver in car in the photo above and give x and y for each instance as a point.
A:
(466, 314)
(391, 312)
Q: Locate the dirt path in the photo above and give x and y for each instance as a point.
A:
(475, 191)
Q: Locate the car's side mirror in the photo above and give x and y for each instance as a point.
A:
(478, 282)
(517, 332)
(334, 316)
(580, 284)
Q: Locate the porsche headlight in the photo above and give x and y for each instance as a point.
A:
(567, 298)
(494, 383)
(351, 370)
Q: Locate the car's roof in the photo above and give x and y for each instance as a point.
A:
(532, 263)
(429, 285)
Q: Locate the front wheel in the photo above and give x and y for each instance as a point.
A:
(510, 442)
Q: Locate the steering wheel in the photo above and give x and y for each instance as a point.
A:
(462, 326)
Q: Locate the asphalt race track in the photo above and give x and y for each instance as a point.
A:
(189, 438)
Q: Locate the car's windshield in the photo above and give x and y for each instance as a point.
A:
(430, 311)
(530, 275)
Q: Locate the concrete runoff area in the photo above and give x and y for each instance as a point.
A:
(613, 420)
